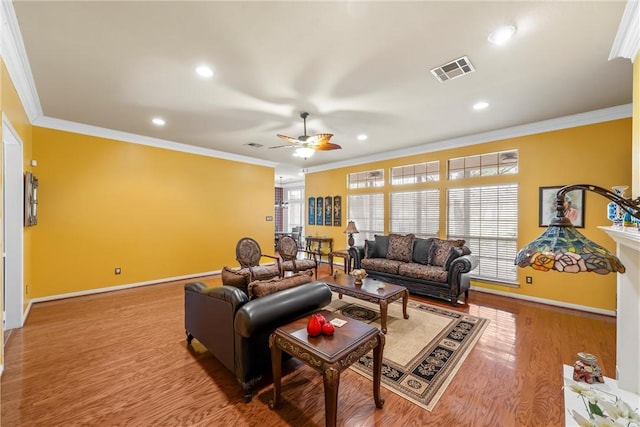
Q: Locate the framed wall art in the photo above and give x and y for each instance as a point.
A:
(573, 206)
(337, 211)
(30, 199)
(319, 210)
(312, 211)
(327, 210)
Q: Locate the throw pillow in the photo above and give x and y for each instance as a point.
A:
(400, 247)
(440, 251)
(369, 249)
(453, 254)
(382, 246)
(260, 288)
(236, 277)
(422, 250)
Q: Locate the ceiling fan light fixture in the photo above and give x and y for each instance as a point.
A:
(304, 152)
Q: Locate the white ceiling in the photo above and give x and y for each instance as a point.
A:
(357, 67)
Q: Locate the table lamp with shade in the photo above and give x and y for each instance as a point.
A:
(350, 231)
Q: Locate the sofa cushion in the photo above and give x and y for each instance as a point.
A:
(260, 288)
(440, 251)
(424, 272)
(400, 247)
(236, 277)
(422, 250)
(382, 246)
(369, 249)
(382, 265)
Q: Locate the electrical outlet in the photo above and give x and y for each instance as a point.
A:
(529, 280)
(118, 270)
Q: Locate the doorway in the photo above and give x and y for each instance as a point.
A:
(12, 220)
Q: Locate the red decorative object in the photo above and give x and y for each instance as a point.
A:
(314, 328)
(328, 329)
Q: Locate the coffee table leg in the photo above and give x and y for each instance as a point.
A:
(331, 379)
(276, 367)
(377, 371)
(383, 316)
(405, 298)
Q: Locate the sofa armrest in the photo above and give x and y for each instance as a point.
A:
(271, 311)
(464, 264)
(357, 254)
(208, 316)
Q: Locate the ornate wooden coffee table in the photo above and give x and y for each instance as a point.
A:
(371, 290)
(329, 355)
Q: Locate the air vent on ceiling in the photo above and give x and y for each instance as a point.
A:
(254, 145)
(456, 68)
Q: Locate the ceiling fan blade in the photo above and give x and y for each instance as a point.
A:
(289, 139)
(327, 146)
(319, 139)
(283, 146)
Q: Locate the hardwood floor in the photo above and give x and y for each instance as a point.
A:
(121, 359)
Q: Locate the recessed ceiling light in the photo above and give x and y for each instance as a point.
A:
(362, 137)
(204, 71)
(502, 35)
(480, 105)
(158, 121)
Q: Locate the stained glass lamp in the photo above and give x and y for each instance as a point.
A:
(563, 248)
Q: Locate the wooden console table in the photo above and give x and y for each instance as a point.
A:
(310, 240)
(328, 355)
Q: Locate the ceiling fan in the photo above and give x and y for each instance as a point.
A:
(305, 144)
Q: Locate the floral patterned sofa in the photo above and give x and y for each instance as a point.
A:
(431, 267)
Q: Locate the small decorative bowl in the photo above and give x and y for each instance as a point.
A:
(359, 274)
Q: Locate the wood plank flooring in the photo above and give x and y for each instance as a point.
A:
(121, 359)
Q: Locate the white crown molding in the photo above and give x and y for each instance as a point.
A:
(582, 119)
(627, 41)
(15, 58)
(68, 126)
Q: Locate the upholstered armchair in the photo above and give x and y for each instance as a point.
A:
(289, 250)
(249, 254)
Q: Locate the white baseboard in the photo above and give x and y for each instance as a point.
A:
(546, 301)
(117, 288)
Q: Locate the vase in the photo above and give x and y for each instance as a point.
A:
(615, 213)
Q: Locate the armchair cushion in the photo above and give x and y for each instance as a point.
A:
(260, 288)
(369, 249)
(400, 247)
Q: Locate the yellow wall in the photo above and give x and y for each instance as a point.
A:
(154, 213)
(595, 154)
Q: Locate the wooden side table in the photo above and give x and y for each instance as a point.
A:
(329, 355)
(343, 253)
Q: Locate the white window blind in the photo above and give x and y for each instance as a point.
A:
(487, 218)
(367, 212)
(416, 212)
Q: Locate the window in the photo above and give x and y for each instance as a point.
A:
(412, 174)
(415, 212)
(295, 212)
(366, 179)
(487, 218)
(367, 211)
(501, 163)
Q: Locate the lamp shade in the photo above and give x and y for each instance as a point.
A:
(351, 228)
(563, 248)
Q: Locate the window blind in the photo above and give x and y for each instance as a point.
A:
(367, 211)
(487, 218)
(416, 212)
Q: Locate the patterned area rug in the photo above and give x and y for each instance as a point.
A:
(423, 353)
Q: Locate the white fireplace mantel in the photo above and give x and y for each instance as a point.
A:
(628, 307)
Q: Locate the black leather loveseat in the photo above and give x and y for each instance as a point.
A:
(236, 330)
